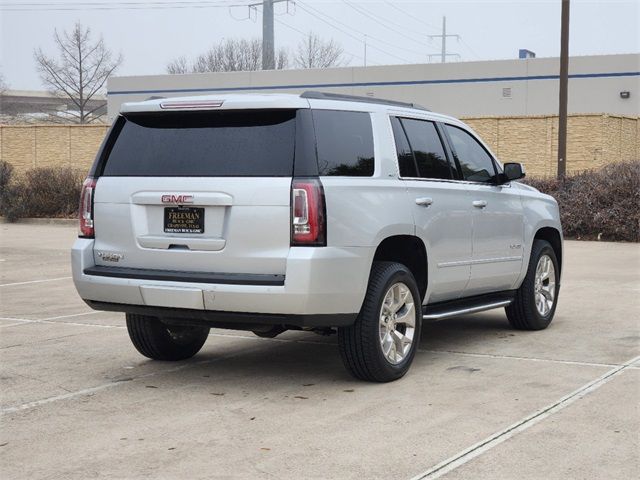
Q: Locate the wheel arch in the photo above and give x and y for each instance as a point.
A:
(410, 251)
(553, 236)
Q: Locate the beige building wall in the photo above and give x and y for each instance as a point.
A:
(593, 141)
(31, 146)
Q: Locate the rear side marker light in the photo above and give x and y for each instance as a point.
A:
(85, 211)
(308, 217)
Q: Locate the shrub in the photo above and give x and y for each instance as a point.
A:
(598, 204)
(6, 172)
(43, 192)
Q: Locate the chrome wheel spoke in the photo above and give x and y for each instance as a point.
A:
(397, 323)
(387, 343)
(407, 316)
(544, 285)
(401, 341)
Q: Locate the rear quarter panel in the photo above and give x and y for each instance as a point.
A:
(363, 211)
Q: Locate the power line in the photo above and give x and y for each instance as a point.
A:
(306, 34)
(412, 17)
(88, 6)
(346, 32)
(470, 49)
(382, 22)
(181, 2)
(368, 36)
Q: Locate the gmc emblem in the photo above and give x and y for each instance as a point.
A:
(179, 199)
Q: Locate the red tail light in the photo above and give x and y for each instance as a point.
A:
(86, 208)
(308, 218)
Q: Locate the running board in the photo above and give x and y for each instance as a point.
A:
(442, 310)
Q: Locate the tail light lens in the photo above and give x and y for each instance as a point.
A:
(86, 208)
(308, 217)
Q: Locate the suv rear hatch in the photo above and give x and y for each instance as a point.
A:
(197, 191)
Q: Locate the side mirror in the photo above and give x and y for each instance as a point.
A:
(512, 171)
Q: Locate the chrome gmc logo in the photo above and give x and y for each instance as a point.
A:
(179, 199)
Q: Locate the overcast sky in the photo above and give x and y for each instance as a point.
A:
(150, 33)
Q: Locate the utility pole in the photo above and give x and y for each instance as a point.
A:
(268, 42)
(443, 40)
(365, 50)
(443, 55)
(564, 87)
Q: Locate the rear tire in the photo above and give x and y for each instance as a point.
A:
(381, 344)
(158, 341)
(536, 299)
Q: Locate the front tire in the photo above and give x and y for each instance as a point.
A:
(381, 344)
(535, 302)
(159, 341)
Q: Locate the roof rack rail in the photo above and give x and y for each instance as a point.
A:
(355, 98)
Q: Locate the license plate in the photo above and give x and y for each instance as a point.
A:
(183, 220)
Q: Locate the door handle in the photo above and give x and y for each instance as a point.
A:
(424, 201)
(479, 203)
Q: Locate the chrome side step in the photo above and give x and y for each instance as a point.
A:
(462, 306)
(462, 311)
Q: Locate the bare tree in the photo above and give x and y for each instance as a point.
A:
(314, 52)
(3, 84)
(178, 65)
(80, 72)
(232, 55)
(282, 59)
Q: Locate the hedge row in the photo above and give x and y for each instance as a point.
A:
(594, 205)
(600, 204)
(52, 192)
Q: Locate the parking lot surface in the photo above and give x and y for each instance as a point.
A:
(482, 401)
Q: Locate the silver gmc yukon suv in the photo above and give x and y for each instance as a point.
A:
(319, 212)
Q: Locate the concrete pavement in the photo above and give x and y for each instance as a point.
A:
(481, 400)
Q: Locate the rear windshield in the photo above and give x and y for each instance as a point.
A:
(222, 144)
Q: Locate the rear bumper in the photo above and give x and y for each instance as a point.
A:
(319, 283)
(229, 319)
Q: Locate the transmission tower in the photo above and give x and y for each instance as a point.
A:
(443, 39)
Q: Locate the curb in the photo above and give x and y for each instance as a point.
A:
(44, 221)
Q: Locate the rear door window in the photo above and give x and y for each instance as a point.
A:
(475, 162)
(226, 144)
(344, 143)
(427, 149)
(406, 162)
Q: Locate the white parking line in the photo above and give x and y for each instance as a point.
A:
(104, 386)
(435, 471)
(517, 357)
(311, 342)
(82, 314)
(497, 438)
(26, 321)
(18, 323)
(34, 281)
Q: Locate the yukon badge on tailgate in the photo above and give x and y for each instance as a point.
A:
(110, 256)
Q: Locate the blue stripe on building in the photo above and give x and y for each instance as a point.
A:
(375, 84)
